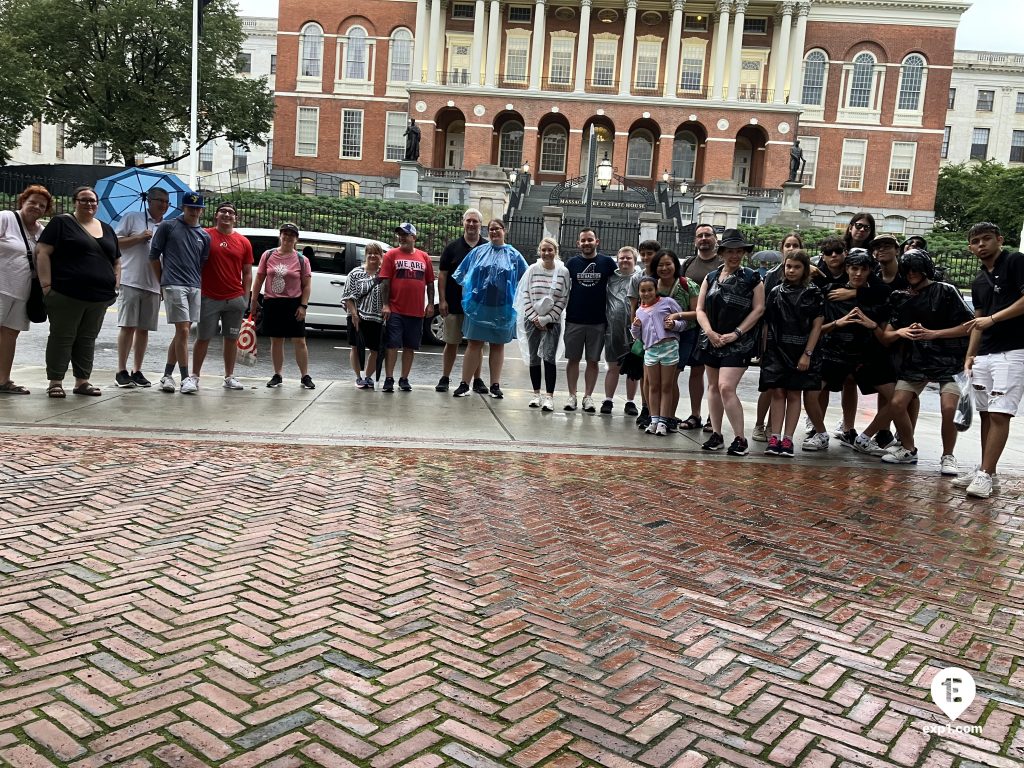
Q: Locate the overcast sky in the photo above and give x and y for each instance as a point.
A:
(989, 25)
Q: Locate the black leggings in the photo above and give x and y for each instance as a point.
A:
(550, 372)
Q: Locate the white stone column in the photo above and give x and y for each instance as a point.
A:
(736, 57)
(583, 47)
(477, 59)
(720, 43)
(781, 54)
(628, 36)
(537, 58)
(493, 44)
(672, 61)
(436, 41)
(420, 40)
(796, 55)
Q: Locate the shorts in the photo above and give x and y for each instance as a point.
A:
(404, 331)
(227, 313)
(723, 361)
(370, 334)
(138, 308)
(998, 381)
(279, 321)
(13, 313)
(665, 352)
(584, 342)
(917, 387)
(453, 329)
(868, 375)
(687, 346)
(181, 304)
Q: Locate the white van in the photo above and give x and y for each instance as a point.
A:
(331, 258)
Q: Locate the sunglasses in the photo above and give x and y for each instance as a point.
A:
(832, 252)
(860, 225)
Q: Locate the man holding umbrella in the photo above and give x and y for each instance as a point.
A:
(138, 306)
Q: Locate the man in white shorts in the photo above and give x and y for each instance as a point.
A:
(138, 305)
(995, 356)
(177, 253)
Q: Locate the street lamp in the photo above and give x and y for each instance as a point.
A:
(512, 176)
(665, 177)
(604, 173)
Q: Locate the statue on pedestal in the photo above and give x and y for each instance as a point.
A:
(412, 141)
(797, 163)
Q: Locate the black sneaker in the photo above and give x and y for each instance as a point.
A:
(307, 382)
(671, 425)
(389, 385)
(606, 407)
(462, 390)
(479, 387)
(495, 392)
(738, 447)
(275, 381)
(140, 380)
(404, 385)
(645, 415)
(442, 384)
(124, 381)
(714, 443)
(848, 438)
(630, 408)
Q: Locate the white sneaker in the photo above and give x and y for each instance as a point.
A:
(570, 403)
(840, 430)
(900, 456)
(816, 442)
(230, 382)
(760, 435)
(535, 402)
(588, 404)
(967, 478)
(652, 429)
(547, 403)
(948, 465)
(808, 426)
(189, 385)
(662, 429)
(981, 485)
(868, 445)
(167, 384)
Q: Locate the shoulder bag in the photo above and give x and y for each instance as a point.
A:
(35, 307)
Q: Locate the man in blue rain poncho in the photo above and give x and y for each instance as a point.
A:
(488, 275)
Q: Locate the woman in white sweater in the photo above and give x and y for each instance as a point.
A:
(543, 294)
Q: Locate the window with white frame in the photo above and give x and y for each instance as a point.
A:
(986, 99)
(979, 143)
(815, 66)
(174, 154)
(951, 98)
(394, 135)
(691, 77)
(37, 136)
(352, 134)
(311, 51)
(517, 56)
(440, 197)
(851, 167)
(510, 145)
(307, 185)
(1017, 147)
(911, 77)
(307, 131)
(809, 145)
(552, 150)
(100, 154)
(355, 55)
(639, 153)
(206, 158)
(1020, 102)
(862, 80)
(400, 56)
(239, 157)
(59, 141)
(944, 151)
(244, 64)
(273, 63)
(748, 215)
(463, 10)
(684, 155)
(901, 167)
(605, 53)
(648, 57)
(894, 225)
(560, 66)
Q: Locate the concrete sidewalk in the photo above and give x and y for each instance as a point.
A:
(336, 413)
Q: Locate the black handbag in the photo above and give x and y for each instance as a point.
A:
(35, 307)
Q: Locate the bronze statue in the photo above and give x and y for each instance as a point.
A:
(412, 141)
(796, 161)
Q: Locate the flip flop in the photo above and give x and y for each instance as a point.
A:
(87, 389)
(10, 388)
(56, 391)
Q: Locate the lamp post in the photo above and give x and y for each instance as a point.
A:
(591, 165)
(604, 173)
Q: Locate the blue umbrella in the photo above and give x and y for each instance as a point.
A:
(128, 190)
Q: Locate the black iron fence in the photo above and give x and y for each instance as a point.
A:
(611, 234)
(525, 233)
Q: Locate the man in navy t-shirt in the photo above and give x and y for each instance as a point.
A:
(585, 321)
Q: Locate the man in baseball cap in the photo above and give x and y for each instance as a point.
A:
(405, 228)
(885, 249)
(405, 272)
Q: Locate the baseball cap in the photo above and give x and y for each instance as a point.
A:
(192, 200)
(289, 227)
(405, 228)
(884, 240)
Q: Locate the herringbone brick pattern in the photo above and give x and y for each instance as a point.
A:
(235, 605)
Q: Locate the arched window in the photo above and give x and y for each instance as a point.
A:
(684, 155)
(355, 54)
(552, 150)
(311, 47)
(400, 68)
(639, 153)
(307, 186)
(510, 145)
(862, 81)
(349, 188)
(814, 79)
(911, 74)
(894, 225)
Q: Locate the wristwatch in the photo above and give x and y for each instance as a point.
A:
(303, 306)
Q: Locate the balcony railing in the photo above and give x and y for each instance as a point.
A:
(445, 173)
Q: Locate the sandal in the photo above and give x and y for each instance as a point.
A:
(10, 388)
(691, 422)
(87, 389)
(56, 391)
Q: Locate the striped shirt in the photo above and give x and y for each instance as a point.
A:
(537, 284)
(364, 290)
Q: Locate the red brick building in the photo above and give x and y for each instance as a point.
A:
(701, 91)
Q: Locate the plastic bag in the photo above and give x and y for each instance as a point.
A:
(247, 342)
(489, 277)
(965, 405)
(541, 307)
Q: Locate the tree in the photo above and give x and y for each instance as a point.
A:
(985, 191)
(20, 98)
(119, 72)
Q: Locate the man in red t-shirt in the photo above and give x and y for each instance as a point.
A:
(227, 281)
(405, 272)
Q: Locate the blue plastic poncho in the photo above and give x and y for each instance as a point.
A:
(489, 276)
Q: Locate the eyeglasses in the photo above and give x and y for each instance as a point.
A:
(87, 201)
(861, 225)
(495, 229)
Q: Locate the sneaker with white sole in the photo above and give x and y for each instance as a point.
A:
(230, 382)
(901, 456)
(588, 404)
(124, 381)
(981, 485)
(167, 384)
(189, 385)
(535, 402)
(547, 403)
(760, 434)
(570, 403)
(948, 465)
(967, 478)
(816, 442)
(661, 430)
(840, 430)
(868, 445)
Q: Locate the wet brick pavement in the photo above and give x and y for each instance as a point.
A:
(170, 604)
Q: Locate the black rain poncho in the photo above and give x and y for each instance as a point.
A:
(790, 312)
